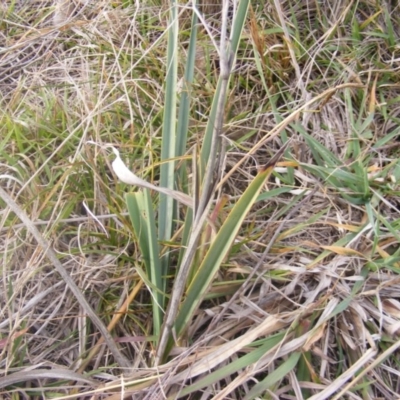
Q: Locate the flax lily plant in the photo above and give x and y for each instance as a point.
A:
(173, 312)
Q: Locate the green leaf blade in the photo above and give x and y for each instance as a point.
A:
(142, 217)
(218, 251)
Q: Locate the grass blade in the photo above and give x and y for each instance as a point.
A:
(234, 366)
(220, 247)
(142, 217)
(168, 147)
(282, 371)
(184, 105)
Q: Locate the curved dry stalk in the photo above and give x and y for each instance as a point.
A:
(125, 175)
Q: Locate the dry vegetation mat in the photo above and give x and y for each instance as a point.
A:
(199, 201)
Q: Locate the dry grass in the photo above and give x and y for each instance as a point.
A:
(307, 304)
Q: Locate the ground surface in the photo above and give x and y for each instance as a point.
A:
(293, 287)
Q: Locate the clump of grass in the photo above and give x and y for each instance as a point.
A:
(278, 119)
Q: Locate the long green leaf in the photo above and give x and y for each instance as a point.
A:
(275, 376)
(218, 251)
(168, 147)
(322, 155)
(184, 104)
(142, 217)
(183, 126)
(235, 366)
